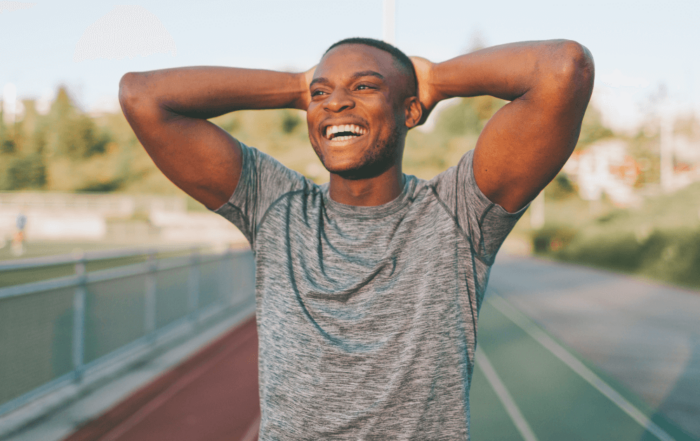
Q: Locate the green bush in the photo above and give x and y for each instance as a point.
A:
(28, 172)
(551, 239)
(672, 256)
(660, 240)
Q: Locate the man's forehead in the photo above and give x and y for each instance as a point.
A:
(351, 58)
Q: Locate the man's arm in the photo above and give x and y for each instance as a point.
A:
(526, 142)
(168, 110)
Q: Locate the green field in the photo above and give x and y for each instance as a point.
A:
(40, 249)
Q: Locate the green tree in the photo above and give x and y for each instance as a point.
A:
(592, 128)
(468, 116)
(25, 172)
(290, 121)
(73, 133)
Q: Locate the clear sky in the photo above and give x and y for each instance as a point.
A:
(87, 45)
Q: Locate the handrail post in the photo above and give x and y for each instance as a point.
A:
(79, 318)
(194, 285)
(229, 277)
(150, 298)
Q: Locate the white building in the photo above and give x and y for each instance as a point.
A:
(605, 168)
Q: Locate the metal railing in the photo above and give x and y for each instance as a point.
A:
(79, 258)
(54, 332)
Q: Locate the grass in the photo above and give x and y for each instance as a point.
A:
(659, 240)
(38, 249)
(50, 248)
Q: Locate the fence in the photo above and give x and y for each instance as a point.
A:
(54, 332)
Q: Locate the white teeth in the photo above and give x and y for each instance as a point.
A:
(331, 130)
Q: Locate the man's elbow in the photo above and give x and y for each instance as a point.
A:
(573, 68)
(130, 92)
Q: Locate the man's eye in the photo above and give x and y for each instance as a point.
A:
(317, 92)
(363, 87)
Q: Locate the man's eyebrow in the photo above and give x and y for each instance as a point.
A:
(367, 73)
(364, 73)
(319, 80)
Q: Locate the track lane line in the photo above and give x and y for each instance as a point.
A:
(527, 325)
(504, 396)
(252, 433)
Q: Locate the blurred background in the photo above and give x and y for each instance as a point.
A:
(627, 200)
(75, 182)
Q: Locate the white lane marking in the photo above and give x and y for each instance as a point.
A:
(505, 397)
(252, 433)
(565, 356)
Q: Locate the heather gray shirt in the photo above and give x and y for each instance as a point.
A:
(366, 315)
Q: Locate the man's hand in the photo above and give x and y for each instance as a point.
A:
(306, 77)
(427, 94)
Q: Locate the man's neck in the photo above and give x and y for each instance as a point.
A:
(373, 191)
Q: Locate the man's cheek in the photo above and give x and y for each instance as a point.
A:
(318, 151)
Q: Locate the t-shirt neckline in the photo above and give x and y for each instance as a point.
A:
(373, 211)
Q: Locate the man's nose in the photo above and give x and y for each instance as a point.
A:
(338, 101)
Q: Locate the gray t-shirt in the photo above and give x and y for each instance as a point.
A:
(366, 315)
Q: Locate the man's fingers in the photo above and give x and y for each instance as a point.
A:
(423, 68)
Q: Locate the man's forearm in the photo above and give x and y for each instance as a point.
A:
(206, 92)
(168, 110)
(512, 70)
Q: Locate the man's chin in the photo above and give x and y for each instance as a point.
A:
(346, 171)
(359, 171)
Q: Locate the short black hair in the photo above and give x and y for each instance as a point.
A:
(402, 59)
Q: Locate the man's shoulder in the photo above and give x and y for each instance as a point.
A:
(271, 173)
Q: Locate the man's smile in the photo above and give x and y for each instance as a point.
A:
(344, 132)
(340, 132)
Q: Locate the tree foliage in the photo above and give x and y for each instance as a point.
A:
(75, 134)
(592, 128)
(25, 172)
(70, 150)
(34, 144)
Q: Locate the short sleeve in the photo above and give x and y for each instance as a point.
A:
(485, 223)
(263, 181)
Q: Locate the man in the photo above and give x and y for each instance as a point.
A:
(17, 247)
(369, 287)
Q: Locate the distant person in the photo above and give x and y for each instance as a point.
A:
(17, 246)
(368, 287)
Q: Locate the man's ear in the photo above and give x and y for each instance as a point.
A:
(414, 111)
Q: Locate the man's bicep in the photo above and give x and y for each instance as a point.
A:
(200, 158)
(527, 142)
(519, 151)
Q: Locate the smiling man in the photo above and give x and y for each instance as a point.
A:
(368, 287)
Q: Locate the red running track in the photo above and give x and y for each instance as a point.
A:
(212, 396)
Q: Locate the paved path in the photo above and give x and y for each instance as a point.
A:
(643, 336)
(213, 396)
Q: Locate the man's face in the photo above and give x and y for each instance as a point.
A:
(356, 117)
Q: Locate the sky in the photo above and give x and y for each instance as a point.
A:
(640, 47)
